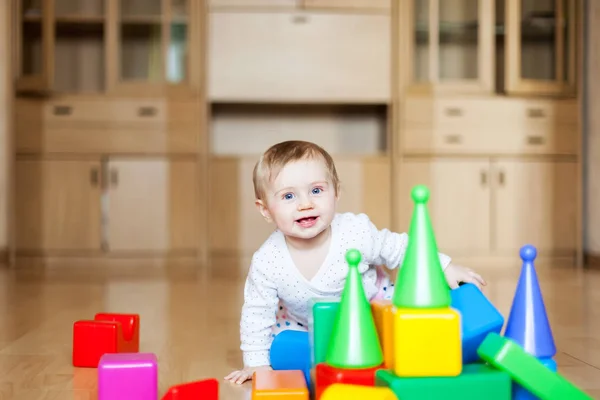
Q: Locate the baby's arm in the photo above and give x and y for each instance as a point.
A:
(258, 317)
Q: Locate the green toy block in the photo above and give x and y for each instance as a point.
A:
(526, 370)
(477, 381)
(320, 325)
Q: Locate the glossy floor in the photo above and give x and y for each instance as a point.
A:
(192, 323)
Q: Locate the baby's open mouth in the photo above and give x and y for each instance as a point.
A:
(307, 222)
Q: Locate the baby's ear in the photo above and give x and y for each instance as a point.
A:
(262, 208)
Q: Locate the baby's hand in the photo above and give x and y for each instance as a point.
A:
(244, 375)
(456, 274)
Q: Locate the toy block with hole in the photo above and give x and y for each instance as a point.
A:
(126, 376)
(383, 315)
(476, 382)
(528, 324)
(326, 375)
(207, 389)
(354, 342)
(107, 333)
(526, 370)
(427, 330)
(320, 325)
(340, 391)
(279, 385)
(478, 318)
(290, 350)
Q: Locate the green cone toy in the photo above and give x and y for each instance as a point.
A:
(421, 282)
(354, 341)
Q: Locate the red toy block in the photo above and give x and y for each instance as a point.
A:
(207, 389)
(107, 333)
(328, 375)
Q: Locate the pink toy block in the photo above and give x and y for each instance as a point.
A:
(127, 376)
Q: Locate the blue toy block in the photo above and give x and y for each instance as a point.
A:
(520, 393)
(290, 350)
(528, 323)
(478, 318)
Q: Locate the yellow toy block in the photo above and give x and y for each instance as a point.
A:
(427, 342)
(383, 315)
(342, 391)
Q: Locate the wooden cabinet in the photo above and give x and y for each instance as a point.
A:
(58, 205)
(133, 47)
(312, 57)
(492, 207)
(115, 205)
(513, 47)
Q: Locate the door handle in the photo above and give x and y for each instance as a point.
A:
(114, 177)
(94, 176)
(501, 178)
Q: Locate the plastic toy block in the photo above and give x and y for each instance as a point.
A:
(340, 391)
(478, 318)
(354, 342)
(526, 370)
(520, 393)
(207, 389)
(327, 375)
(279, 385)
(421, 282)
(528, 324)
(126, 376)
(383, 315)
(320, 325)
(476, 382)
(290, 350)
(427, 342)
(104, 334)
(130, 326)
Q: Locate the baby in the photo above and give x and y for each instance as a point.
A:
(297, 188)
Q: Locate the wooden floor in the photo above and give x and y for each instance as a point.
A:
(192, 323)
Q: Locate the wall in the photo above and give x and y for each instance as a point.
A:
(5, 123)
(592, 130)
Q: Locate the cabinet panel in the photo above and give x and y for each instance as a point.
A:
(152, 205)
(58, 205)
(459, 203)
(284, 56)
(291, 4)
(535, 202)
(358, 5)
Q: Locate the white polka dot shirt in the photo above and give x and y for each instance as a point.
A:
(273, 278)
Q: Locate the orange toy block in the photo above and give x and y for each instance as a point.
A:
(383, 315)
(279, 385)
(207, 389)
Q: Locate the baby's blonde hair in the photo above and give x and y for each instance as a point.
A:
(279, 155)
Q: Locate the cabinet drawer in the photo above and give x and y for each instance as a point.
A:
(313, 57)
(105, 111)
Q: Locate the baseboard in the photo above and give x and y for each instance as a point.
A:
(592, 260)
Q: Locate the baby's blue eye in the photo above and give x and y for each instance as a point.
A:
(288, 196)
(316, 190)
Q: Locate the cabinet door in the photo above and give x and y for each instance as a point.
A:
(292, 57)
(459, 203)
(34, 33)
(358, 5)
(535, 203)
(152, 205)
(58, 205)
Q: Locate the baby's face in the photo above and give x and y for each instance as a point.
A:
(302, 200)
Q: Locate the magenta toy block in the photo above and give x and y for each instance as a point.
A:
(128, 376)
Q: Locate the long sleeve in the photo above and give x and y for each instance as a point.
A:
(389, 248)
(258, 314)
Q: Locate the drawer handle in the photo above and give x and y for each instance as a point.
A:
(62, 110)
(535, 113)
(299, 19)
(453, 112)
(453, 139)
(147, 111)
(535, 140)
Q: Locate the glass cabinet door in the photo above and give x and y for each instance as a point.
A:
(540, 52)
(34, 32)
(152, 42)
(452, 45)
